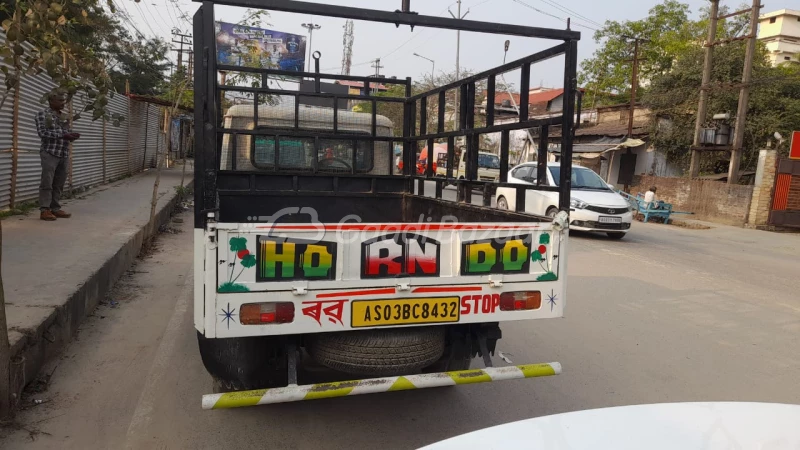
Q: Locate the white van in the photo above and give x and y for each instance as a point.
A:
(297, 154)
(488, 167)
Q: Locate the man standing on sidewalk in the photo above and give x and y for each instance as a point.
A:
(56, 136)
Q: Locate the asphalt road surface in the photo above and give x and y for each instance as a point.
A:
(668, 314)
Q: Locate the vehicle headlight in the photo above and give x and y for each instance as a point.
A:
(577, 204)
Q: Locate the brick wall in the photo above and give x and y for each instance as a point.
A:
(762, 191)
(713, 201)
(793, 201)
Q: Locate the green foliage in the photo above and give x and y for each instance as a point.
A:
(774, 103)
(141, 62)
(393, 111)
(183, 191)
(549, 276)
(249, 261)
(255, 18)
(82, 47)
(671, 75)
(536, 256)
(178, 87)
(238, 243)
(668, 29)
(544, 238)
(231, 287)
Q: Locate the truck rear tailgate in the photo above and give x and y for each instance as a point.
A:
(336, 277)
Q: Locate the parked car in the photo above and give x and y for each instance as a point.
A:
(594, 205)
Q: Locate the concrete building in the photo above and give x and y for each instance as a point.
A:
(780, 32)
(599, 145)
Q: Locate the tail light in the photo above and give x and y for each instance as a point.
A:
(520, 301)
(266, 313)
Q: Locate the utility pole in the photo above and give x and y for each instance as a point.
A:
(702, 105)
(744, 96)
(433, 66)
(182, 42)
(458, 57)
(311, 26)
(634, 84)
(632, 107)
(347, 45)
(377, 66)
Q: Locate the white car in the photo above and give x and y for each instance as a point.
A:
(594, 206)
(670, 426)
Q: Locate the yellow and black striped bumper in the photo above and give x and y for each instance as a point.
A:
(375, 385)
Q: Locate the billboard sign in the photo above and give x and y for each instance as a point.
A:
(794, 145)
(239, 45)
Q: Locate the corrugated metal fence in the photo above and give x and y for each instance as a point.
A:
(102, 154)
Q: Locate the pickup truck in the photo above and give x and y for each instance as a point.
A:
(310, 250)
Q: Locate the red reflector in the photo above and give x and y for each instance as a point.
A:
(520, 301)
(284, 312)
(266, 313)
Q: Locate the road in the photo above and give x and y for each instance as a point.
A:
(668, 314)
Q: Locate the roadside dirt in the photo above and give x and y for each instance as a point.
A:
(116, 341)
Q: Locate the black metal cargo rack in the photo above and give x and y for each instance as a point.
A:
(236, 193)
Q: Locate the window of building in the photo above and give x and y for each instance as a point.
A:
(772, 19)
(787, 58)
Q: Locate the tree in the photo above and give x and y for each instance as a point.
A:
(672, 97)
(178, 89)
(141, 62)
(56, 36)
(391, 110)
(254, 18)
(671, 62)
(668, 32)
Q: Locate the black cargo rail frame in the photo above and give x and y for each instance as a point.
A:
(213, 184)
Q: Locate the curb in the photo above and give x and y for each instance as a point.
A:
(48, 339)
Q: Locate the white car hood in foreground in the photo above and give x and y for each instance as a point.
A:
(670, 426)
(600, 198)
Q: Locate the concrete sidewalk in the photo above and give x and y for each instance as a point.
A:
(55, 273)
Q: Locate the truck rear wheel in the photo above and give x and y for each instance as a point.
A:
(245, 363)
(389, 352)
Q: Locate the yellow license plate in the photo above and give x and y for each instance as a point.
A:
(376, 313)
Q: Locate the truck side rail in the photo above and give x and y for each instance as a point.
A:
(214, 184)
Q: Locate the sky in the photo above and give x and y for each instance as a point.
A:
(396, 46)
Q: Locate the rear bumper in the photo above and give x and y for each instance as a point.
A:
(376, 385)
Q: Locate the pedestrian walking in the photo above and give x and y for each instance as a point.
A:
(55, 133)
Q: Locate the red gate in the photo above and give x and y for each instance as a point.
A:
(785, 209)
